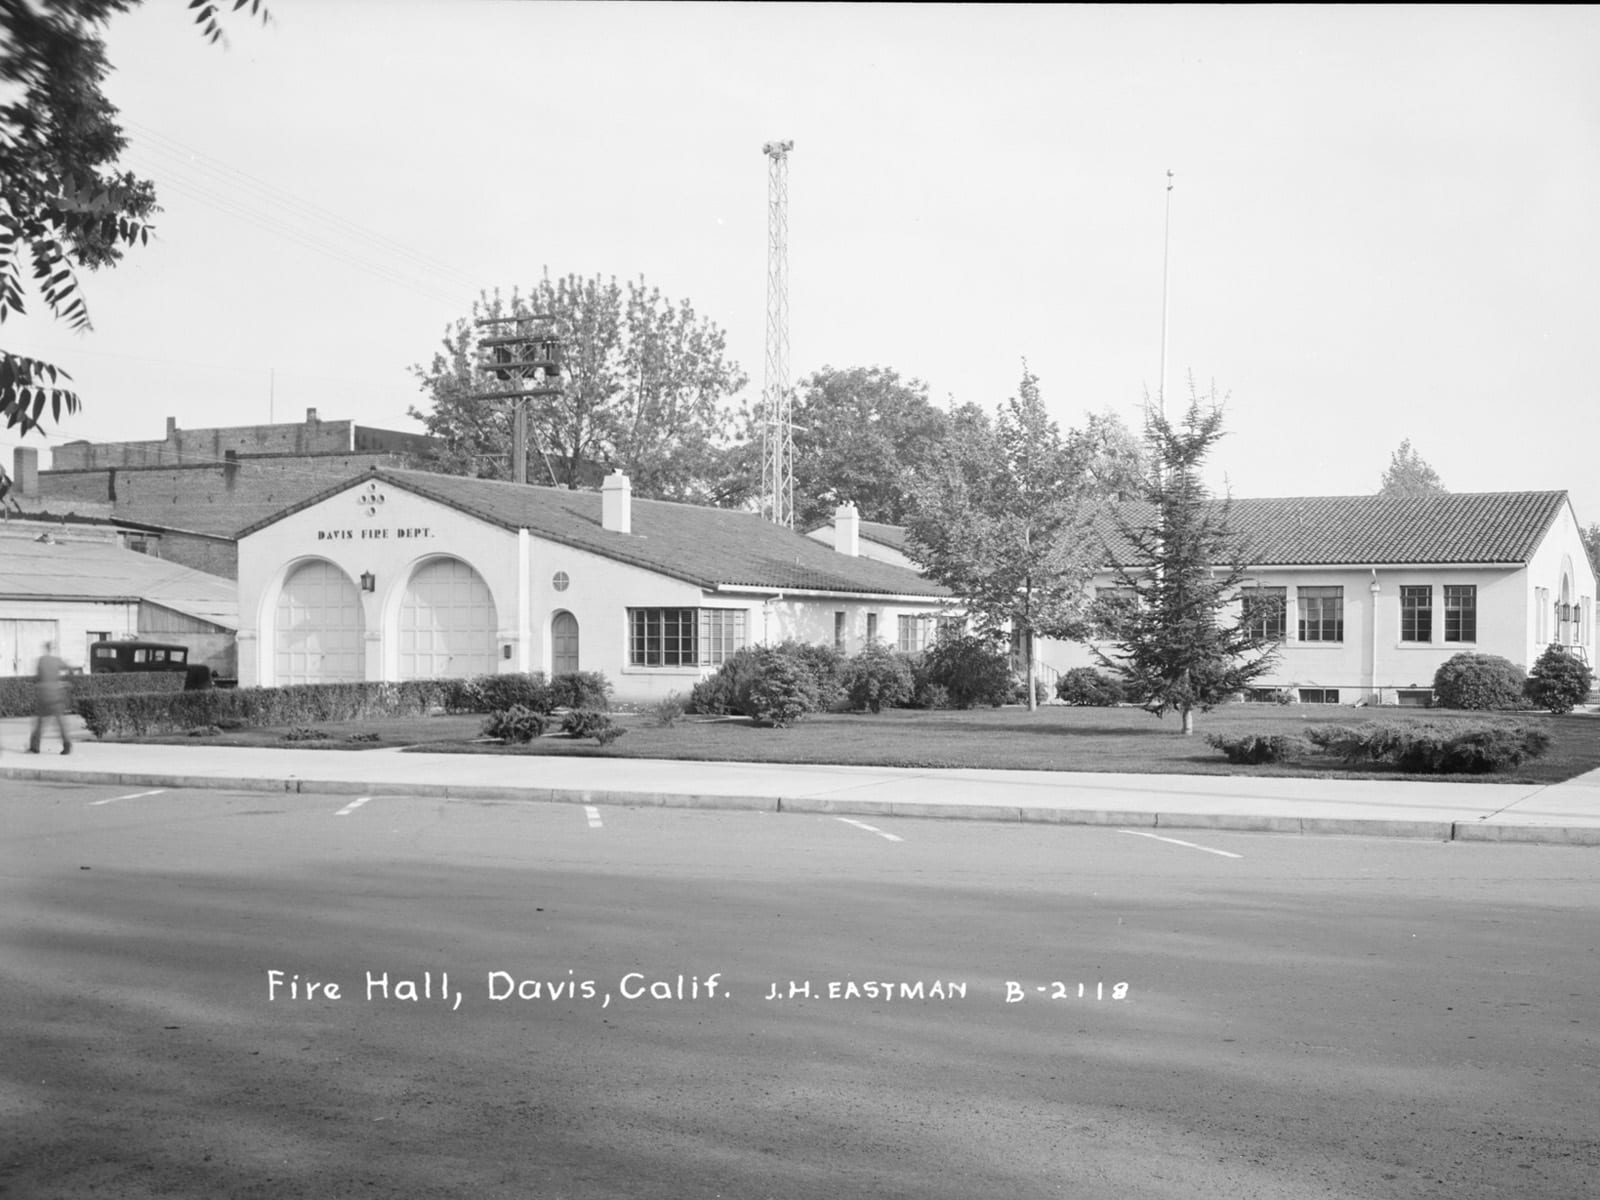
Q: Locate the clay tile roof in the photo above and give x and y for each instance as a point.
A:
(704, 546)
(1465, 527)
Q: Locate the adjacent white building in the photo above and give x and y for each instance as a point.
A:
(1368, 595)
(404, 574)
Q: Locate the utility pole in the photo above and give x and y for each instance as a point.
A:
(777, 440)
(1166, 245)
(520, 351)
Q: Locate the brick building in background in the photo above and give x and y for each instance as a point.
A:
(193, 491)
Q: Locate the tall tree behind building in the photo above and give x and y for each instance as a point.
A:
(1409, 474)
(648, 389)
(1000, 519)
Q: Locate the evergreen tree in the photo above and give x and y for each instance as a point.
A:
(1174, 644)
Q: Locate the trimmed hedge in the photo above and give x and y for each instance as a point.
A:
(322, 703)
(1436, 748)
(17, 698)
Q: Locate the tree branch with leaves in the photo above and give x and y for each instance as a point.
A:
(63, 204)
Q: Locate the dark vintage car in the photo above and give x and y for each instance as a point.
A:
(133, 654)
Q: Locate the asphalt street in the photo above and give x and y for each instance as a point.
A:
(209, 994)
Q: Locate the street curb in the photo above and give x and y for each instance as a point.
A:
(1441, 831)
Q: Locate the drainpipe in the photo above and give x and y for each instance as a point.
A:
(1374, 695)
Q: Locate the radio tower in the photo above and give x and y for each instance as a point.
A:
(777, 440)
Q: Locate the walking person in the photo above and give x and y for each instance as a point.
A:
(50, 688)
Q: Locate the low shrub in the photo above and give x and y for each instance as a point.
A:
(1019, 691)
(876, 678)
(824, 664)
(591, 722)
(1559, 681)
(303, 734)
(1435, 748)
(581, 689)
(782, 692)
(1251, 749)
(668, 709)
(814, 670)
(971, 669)
(1479, 681)
(1086, 687)
(515, 725)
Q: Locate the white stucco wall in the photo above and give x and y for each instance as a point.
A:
(1371, 663)
(394, 539)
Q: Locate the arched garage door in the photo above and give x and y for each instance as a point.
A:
(319, 629)
(447, 623)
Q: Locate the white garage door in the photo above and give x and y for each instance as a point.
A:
(447, 623)
(319, 627)
(22, 642)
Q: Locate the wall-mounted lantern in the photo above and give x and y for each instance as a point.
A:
(369, 581)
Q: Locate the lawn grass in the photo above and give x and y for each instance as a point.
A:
(1055, 738)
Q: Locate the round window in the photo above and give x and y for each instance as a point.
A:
(560, 581)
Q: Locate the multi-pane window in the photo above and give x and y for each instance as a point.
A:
(872, 627)
(1541, 606)
(838, 631)
(1321, 614)
(1460, 612)
(721, 633)
(1416, 613)
(683, 637)
(1263, 613)
(916, 630)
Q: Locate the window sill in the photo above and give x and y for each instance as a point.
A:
(685, 672)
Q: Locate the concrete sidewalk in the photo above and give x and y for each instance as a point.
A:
(1565, 813)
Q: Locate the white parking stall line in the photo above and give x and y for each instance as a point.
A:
(870, 829)
(593, 814)
(129, 796)
(1176, 842)
(352, 806)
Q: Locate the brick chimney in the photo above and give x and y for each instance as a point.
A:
(847, 530)
(616, 503)
(25, 471)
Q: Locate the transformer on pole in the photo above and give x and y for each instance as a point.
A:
(777, 440)
(523, 353)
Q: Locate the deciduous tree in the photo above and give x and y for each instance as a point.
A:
(646, 390)
(999, 520)
(1175, 644)
(63, 203)
(1409, 474)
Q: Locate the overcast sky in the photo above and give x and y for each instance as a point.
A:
(1384, 221)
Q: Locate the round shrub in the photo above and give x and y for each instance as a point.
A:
(783, 690)
(824, 664)
(971, 670)
(878, 677)
(1088, 688)
(1559, 681)
(515, 724)
(1479, 681)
